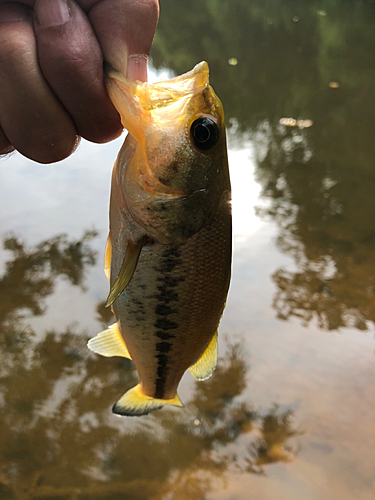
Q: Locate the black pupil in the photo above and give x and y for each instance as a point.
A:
(202, 133)
(205, 133)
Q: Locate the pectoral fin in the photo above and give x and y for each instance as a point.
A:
(107, 257)
(206, 364)
(109, 343)
(135, 403)
(128, 267)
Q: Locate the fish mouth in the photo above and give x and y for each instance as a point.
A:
(111, 73)
(153, 186)
(162, 93)
(109, 70)
(187, 195)
(157, 197)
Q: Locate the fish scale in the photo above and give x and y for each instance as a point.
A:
(180, 305)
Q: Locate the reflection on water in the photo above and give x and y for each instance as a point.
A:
(30, 277)
(312, 63)
(288, 52)
(325, 212)
(289, 412)
(57, 440)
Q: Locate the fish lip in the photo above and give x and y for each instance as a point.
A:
(110, 72)
(188, 194)
(192, 193)
(198, 77)
(163, 197)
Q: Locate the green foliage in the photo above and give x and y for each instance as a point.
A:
(287, 52)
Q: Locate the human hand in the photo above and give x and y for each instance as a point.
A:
(51, 70)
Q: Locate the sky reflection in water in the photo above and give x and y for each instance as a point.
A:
(289, 412)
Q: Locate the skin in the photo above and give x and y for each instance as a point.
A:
(51, 70)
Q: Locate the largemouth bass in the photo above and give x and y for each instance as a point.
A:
(168, 252)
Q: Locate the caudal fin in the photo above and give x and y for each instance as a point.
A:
(135, 403)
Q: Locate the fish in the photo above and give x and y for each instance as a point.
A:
(169, 249)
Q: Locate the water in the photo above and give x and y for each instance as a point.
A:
(290, 410)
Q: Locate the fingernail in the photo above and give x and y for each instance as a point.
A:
(137, 67)
(14, 14)
(51, 12)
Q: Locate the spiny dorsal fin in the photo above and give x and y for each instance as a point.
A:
(109, 343)
(206, 364)
(128, 267)
(135, 403)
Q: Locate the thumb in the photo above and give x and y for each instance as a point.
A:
(125, 30)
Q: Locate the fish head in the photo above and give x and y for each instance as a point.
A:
(178, 172)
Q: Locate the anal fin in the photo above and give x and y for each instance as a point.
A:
(109, 343)
(125, 275)
(135, 403)
(206, 364)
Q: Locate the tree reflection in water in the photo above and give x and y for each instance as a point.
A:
(31, 274)
(309, 61)
(325, 212)
(58, 438)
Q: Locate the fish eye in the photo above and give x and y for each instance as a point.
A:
(204, 132)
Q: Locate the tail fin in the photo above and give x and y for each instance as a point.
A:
(135, 403)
